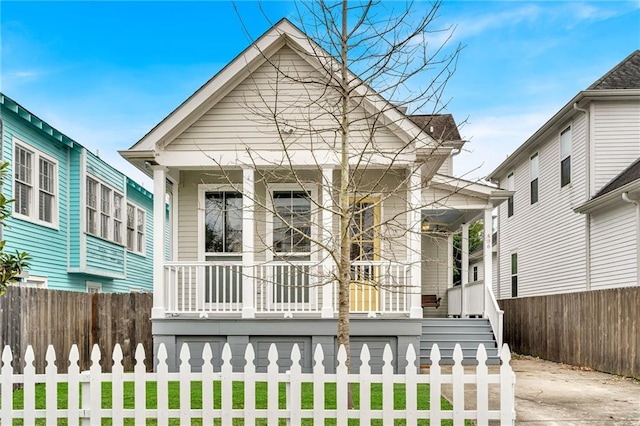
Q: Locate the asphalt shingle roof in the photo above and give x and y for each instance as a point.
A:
(625, 75)
(439, 126)
(628, 175)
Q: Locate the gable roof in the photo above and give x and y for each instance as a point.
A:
(281, 34)
(441, 127)
(623, 80)
(628, 175)
(625, 75)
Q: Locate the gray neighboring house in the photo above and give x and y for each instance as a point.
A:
(239, 274)
(573, 223)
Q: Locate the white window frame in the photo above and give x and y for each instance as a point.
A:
(314, 202)
(103, 217)
(139, 245)
(534, 176)
(93, 287)
(34, 195)
(511, 180)
(34, 281)
(203, 188)
(564, 154)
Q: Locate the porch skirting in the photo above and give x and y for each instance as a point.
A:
(261, 333)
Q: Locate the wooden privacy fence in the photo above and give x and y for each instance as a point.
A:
(41, 317)
(597, 329)
(297, 397)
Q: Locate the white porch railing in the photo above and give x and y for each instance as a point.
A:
(478, 300)
(283, 287)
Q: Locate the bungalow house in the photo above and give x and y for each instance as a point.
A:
(86, 226)
(573, 223)
(253, 160)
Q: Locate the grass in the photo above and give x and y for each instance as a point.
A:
(238, 400)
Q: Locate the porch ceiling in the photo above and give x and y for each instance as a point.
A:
(449, 219)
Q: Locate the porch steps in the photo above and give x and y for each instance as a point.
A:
(468, 332)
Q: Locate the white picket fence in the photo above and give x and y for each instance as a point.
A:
(84, 390)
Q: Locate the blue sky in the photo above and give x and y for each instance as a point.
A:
(105, 73)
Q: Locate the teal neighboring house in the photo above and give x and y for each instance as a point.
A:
(87, 226)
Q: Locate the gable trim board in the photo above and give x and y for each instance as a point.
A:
(205, 98)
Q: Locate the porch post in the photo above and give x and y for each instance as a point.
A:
(464, 270)
(327, 228)
(248, 234)
(487, 253)
(159, 191)
(414, 245)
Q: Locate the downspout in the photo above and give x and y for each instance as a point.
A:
(625, 197)
(587, 217)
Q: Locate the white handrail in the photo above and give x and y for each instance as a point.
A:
(495, 315)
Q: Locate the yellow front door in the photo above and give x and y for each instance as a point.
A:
(365, 251)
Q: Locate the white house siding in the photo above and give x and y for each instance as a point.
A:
(614, 247)
(616, 138)
(548, 236)
(435, 271)
(245, 116)
(480, 266)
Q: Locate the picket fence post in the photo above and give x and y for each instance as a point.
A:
(6, 386)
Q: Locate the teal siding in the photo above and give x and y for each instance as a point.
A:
(104, 256)
(75, 189)
(140, 267)
(104, 172)
(57, 253)
(46, 246)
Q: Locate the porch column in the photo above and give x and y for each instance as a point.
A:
(159, 191)
(464, 268)
(414, 255)
(487, 252)
(248, 234)
(327, 228)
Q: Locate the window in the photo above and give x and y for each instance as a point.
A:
(475, 273)
(223, 222)
(117, 218)
(533, 163)
(33, 281)
(514, 274)
(291, 222)
(92, 205)
(510, 186)
(35, 197)
(104, 211)
(94, 287)
(135, 229)
(365, 244)
(565, 157)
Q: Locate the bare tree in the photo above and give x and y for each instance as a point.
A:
(369, 64)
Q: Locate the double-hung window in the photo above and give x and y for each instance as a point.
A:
(565, 157)
(510, 186)
(514, 274)
(291, 222)
(223, 222)
(104, 211)
(136, 223)
(534, 171)
(35, 187)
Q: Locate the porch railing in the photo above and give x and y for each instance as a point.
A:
(283, 287)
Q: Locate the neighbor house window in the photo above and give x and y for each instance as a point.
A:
(565, 157)
(104, 211)
(136, 223)
(291, 222)
(514, 274)
(34, 185)
(475, 273)
(94, 287)
(223, 222)
(510, 186)
(533, 163)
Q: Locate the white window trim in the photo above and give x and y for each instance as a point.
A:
(533, 176)
(203, 188)
(568, 128)
(34, 281)
(93, 287)
(313, 194)
(136, 211)
(381, 226)
(99, 213)
(35, 186)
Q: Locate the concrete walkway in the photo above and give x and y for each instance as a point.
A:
(548, 393)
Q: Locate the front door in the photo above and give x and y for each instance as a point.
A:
(365, 252)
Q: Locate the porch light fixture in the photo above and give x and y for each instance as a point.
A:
(433, 226)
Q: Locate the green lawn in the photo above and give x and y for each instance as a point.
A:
(238, 400)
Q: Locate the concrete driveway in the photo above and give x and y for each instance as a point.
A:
(548, 393)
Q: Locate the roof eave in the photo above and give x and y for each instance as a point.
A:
(605, 199)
